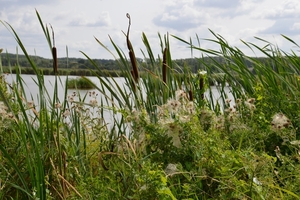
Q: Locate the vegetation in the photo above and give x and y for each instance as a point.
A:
(82, 67)
(80, 83)
(166, 140)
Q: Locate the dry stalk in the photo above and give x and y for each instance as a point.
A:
(70, 185)
(130, 145)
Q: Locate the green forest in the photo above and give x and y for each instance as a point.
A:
(82, 67)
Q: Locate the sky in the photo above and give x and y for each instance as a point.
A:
(77, 23)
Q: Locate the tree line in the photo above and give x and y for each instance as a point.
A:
(83, 65)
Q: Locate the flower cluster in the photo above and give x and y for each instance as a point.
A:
(249, 104)
(174, 112)
(93, 100)
(5, 116)
(81, 110)
(280, 121)
(179, 108)
(233, 114)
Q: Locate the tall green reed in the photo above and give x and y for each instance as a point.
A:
(56, 142)
(38, 128)
(148, 84)
(242, 72)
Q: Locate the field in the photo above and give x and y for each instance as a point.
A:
(171, 142)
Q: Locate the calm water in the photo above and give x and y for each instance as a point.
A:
(31, 89)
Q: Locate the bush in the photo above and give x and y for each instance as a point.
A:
(80, 83)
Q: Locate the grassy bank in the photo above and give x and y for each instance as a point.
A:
(62, 72)
(166, 140)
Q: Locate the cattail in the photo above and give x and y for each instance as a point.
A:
(54, 54)
(131, 53)
(191, 95)
(202, 87)
(164, 66)
(132, 83)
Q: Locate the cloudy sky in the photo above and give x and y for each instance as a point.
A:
(76, 23)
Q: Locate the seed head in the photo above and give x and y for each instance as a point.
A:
(280, 121)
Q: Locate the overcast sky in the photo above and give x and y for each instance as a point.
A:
(76, 23)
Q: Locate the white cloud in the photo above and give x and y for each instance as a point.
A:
(81, 20)
(296, 26)
(76, 23)
(282, 9)
(181, 17)
(218, 3)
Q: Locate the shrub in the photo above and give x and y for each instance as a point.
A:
(80, 83)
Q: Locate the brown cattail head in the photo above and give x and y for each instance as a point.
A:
(191, 95)
(131, 53)
(133, 84)
(54, 54)
(202, 87)
(164, 66)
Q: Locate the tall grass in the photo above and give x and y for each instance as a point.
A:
(167, 139)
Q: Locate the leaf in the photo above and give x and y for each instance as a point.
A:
(168, 192)
(295, 142)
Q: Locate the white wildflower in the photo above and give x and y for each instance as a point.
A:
(251, 100)
(173, 105)
(93, 102)
(93, 94)
(66, 113)
(58, 105)
(180, 94)
(173, 132)
(280, 121)
(227, 102)
(190, 107)
(71, 98)
(256, 181)
(202, 73)
(250, 106)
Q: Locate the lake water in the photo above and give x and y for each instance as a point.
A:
(32, 90)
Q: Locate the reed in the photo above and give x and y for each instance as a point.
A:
(167, 139)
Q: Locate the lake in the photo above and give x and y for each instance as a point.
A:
(32, 90)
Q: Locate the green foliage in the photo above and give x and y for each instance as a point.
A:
(80, 83)
(167, 140)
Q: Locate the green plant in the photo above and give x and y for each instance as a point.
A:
(167, 140)
(80, 83)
